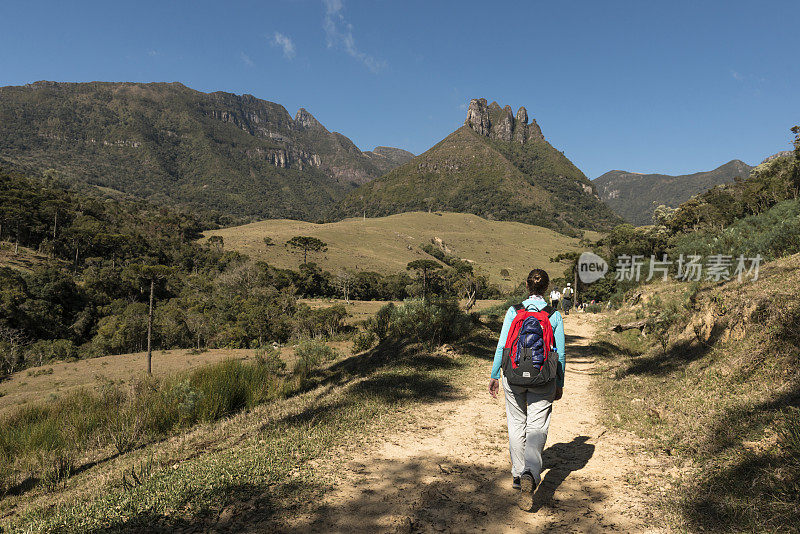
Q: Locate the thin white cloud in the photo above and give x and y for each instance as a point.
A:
(737, 76)
(285, 43)
(339, 32)
(246, 60)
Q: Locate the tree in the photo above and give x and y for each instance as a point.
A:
(307, 244)
(150, 273)
(217, 241)
(344, 282)
(424, 268)
(468, 284)
(11, 341)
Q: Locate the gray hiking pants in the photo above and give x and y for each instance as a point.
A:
(528, 413)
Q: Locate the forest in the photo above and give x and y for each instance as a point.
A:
(88, 292)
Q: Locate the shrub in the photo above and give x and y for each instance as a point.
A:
(5, 474)
(311, 354)
(270, 359)
(432, 323)
(227, 387)
(772, 234)
(363, 341)
(46, 350)
(126, 425)
(594, 308)
(321, 322)
(380, 323)
(58, 466)
(40, 372)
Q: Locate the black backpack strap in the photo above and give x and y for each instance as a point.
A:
(549, 309)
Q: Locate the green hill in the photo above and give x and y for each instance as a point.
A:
(496, 166)
(170, 144)
(634, 195)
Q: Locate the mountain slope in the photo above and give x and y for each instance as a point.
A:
(387, 158)
(168, 143)
(634, 196)
(496, 166)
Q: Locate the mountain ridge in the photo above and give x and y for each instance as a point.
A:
(634, 196)
(165, 142)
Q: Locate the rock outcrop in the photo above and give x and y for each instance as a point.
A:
(304, 119)
(781, 154)
(494, 122)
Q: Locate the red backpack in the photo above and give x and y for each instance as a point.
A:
(530, 342)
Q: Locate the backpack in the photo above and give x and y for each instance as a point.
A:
(567, 292)
(526, 355)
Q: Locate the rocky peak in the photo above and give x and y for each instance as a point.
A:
(478, 116)
(499, 123)
(305, 119)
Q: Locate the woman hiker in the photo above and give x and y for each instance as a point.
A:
(528, 407)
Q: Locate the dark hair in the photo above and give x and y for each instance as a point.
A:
(537, 282)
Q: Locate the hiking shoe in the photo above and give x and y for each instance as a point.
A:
(526, 488)
(515, 483)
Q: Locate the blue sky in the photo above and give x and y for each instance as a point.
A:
(672, 86)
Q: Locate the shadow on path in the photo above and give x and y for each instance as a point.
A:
(562, 459)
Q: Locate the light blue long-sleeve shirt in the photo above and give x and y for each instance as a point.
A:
(556, 321)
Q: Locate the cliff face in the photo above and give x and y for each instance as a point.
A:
(500, 124)
(165, 142)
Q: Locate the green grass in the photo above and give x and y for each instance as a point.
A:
(42, 442)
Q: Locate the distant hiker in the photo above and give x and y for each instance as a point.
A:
(555, 298)
(566, 304)
(530, 353)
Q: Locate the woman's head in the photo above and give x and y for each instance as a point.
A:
(537, 282)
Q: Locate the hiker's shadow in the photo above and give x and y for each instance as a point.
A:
(562, 459)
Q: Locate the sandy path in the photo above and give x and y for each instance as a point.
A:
(449, 471)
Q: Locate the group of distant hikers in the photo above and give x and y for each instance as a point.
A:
(530, 363)
(562, 298)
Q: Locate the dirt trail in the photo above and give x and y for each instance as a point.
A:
(449, 471)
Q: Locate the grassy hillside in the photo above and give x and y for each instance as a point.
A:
(634, 195)
(500, 168)
(715, 381)
(171, 144)
(387, 244)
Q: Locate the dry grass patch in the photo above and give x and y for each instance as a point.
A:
(387, 244)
